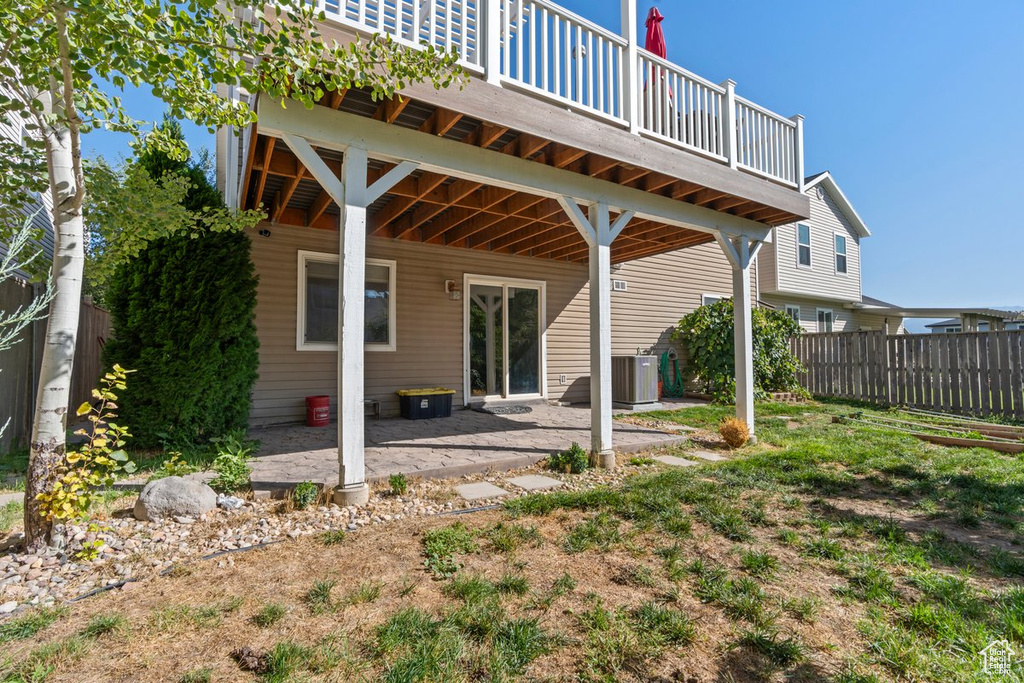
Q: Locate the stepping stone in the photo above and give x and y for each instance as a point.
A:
(535, 482)
(480, 490)
(708, 455)
(674, 461)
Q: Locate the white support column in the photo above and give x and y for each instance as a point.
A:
(741, 251)
(352, 195)
(631, 79)
(599, 233)
(351, 328)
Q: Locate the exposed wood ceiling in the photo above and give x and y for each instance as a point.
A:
(438, 209)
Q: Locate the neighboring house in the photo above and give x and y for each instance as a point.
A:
(17, 380)
(812, 268)
(505, 239)
(1011, 321)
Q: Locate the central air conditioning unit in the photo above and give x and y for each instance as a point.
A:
(634, 379)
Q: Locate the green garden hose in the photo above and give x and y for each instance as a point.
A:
(672, 387)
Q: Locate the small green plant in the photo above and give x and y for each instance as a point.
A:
(29, 623)
(600, 531)
(231, 465)
(103, 624)
(759, 564)
(96, 463)
(635, 575)
(332, 537)
(441, 545)
(174, 466)
(319, 597)
(640, 461)
(269, 615)
(305, 494)
(367, 591)
(570, 461)
(781, 652)
(512, 584)
(204, 675)
(399, 484)
(507, 537)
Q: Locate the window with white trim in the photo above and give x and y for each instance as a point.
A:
(708, 299)
(793, 312)
(840, 253)
(803, 245)
(824, 320)
(317, 309)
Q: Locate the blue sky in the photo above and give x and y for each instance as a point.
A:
(915, 107)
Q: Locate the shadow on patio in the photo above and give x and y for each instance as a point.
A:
(468, 441)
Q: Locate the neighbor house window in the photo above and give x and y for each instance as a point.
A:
(824, 320)
(708, 299)
(840, 253)
(793, 312)
(803, 247)
(317, 323)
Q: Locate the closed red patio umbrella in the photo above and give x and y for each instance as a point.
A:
(654, 41)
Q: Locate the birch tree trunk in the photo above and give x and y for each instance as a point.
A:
(49, 428)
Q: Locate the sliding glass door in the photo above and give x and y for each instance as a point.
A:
(504, 344)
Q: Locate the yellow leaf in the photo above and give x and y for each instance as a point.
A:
(84, 408)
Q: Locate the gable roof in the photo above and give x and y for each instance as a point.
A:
(826, 180)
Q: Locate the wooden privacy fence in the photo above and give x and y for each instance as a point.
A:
(19, 365)
(968, 373)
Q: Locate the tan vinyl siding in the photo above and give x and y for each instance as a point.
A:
(661, 289)
(429, 325)
(821, 279)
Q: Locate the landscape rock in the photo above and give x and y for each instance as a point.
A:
(174, 497)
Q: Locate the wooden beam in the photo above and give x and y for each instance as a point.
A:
(389, 109)
(320, 205)
(337, 97)
(425, 184)
(656, 181)
(440, 121)
(706, 196)
(727, 203)
(250, 158)
(268, 152)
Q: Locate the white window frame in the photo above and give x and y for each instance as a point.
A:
(810, 250)
(300, 309)
(835, 252)
(717, 297)
(791, 309)
(505, 283)
(831, 319)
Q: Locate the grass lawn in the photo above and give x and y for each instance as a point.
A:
(825, 552)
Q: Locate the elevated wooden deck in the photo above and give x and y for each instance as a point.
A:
(534, 98)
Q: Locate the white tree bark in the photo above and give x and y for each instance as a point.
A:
(49, 428)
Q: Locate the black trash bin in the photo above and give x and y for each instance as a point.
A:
(424, 404)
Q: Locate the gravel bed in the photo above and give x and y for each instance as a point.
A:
(134, 550)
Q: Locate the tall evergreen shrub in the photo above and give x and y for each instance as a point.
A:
(182, 313)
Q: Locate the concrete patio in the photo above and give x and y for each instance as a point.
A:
(468, 441)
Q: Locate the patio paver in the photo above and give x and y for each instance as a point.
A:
(465, 443)
(674, 461)
(708, 455)
(535, 482)
(480, 490)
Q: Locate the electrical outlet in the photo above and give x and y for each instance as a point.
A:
(562, 379)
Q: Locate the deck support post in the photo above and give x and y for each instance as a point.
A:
(741, 251)
(599, 232)
(353, 196)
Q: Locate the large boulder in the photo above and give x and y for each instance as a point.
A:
(174, 497)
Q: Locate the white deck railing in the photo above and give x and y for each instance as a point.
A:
(544, 49)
